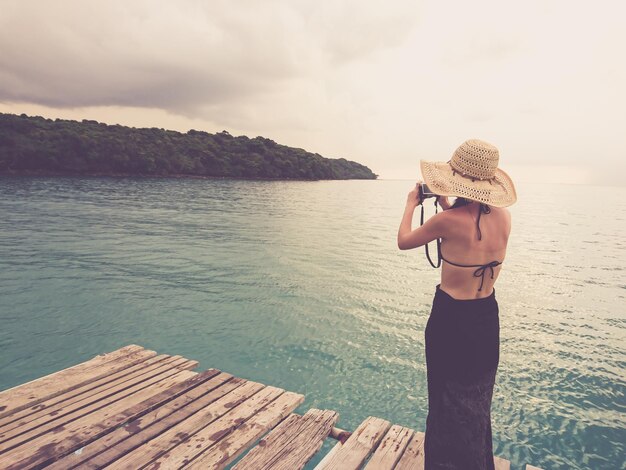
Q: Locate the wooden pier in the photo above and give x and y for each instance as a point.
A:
(134, 409)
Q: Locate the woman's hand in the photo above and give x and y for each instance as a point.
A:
(433, 228)
(413, 198)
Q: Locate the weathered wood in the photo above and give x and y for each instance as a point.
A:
(259, 453)
(34, 392)
(166, 424)
(194, 445)
(291, 444)
(230, 447)
(413, 456)
(168, 440)
(82, 396)
(391, 448)
(501, 464)
(99, 359)
(50, 421)
(122, 440)
(77, 434)
(357, 448)
(131, 409)
(28, 414)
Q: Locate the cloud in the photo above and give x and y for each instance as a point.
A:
(186, 56)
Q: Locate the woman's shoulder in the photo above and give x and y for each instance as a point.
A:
(502, 211)
(504, 215)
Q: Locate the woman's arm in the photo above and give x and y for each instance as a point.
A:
(432, 228)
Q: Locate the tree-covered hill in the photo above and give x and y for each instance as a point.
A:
(35, 145)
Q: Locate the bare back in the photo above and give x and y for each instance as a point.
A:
(460, 244)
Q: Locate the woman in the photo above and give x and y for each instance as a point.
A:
(462, 332)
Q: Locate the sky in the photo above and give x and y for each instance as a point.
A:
(384, 83)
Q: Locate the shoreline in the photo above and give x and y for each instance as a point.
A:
(51, 174)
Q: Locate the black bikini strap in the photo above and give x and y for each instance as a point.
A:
(480, 272)
(484, 208)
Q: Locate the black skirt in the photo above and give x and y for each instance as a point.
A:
(462, 356)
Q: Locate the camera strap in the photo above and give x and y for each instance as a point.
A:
(438, 240)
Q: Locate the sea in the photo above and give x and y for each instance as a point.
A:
(300, 285)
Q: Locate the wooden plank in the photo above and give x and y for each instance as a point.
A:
(31, 393)
(190, 448)
(205, 418)
(122, 440)
(291, 444)
(100, 358)
(413, 456)
(152, 432)
(259, 453)
(75, 435)
(501, 464)
(57, 404)
(530, 467)
(358, 447)
(50, 421)
(232, 445)
(391, 448)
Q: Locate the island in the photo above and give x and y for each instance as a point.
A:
(33, 145)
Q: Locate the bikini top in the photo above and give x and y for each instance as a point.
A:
(481, 268)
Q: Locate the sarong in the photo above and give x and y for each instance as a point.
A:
(462, 356)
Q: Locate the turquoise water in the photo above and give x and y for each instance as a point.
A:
(301, 285)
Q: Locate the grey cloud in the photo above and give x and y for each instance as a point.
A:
(184, 57)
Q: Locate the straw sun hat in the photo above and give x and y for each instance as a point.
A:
(472, 173)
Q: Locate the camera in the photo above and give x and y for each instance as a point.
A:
(426, 191)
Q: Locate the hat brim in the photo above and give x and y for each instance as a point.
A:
(442, 180)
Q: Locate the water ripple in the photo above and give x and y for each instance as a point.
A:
(300, 285)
